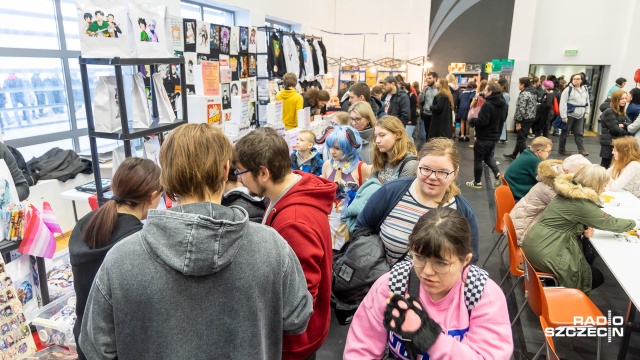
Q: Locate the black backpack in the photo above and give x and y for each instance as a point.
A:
(22, 165)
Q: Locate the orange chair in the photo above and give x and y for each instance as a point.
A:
(515, 257)
(504, 203)
(551, 349)
(558, 306)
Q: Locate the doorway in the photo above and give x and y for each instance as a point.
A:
(593, 76)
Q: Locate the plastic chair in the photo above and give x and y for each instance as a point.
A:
(558, 306)
(551, 349)
(515, 257)
(504, 204)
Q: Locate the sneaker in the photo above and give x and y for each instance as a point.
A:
(497, 162)
(509, 156)
(583, 152)
(498, 181)
(461, 139)
(502, 141)
(563, 152)
(471, 146)
(474, 184)
(531, 136)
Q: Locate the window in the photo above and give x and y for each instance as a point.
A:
(277, 25)
(193, 10)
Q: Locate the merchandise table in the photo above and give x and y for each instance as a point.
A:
(75, 195)
(619, 254)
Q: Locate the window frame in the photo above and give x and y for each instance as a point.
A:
(277, 24)
(206, 6)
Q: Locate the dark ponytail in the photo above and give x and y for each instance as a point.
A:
(132, 184)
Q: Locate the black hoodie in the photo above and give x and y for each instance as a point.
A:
(489, 122)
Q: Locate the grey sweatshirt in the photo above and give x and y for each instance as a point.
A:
(198, 282)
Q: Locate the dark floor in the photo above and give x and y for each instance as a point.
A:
(528, 336)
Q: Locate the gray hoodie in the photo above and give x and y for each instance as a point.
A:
(198, 282)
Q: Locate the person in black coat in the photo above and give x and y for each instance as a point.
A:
(488, 127)
(237, 195)
(442, 118)
(136, 189)
(398, 103)
(614, 124)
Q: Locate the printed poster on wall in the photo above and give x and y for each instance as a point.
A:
(202, 38)
(214, 111)
(233, 64)
(211, 78)
(190, 60)
(226, 99)
(224, 61)
(252, 89)
(235, 41)
(226, 115)
(225, 75)
(225, 36)
(244, 39)
(189, 35)
(252, 65)
(235, 88)
(177, 32)
(243, 64)
(252, 40)
(214, 35)
(244, 86)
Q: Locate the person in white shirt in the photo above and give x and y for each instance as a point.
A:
(625, 167)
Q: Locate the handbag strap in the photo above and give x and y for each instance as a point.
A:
(360, 173)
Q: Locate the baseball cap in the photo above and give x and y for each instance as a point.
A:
(389, 79)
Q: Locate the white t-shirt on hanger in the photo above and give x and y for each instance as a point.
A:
(291, 55)
(320, 58)
(308, 61)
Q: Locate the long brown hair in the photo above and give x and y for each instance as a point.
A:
(445, 90)
(616, 96)
(628, 151)
(314, 95)
(444, 147)
(402, 146)
(133, 183)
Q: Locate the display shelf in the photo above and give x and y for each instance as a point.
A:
(466, 72)
(353, 71)
(6, 246)
(130, 61)
(138, 133)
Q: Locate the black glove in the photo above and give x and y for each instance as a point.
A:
(426, 330)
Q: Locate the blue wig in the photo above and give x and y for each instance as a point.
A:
(339, 136)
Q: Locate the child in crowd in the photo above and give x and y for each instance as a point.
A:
(237, 194)
(305, 157)
(341, 118)
(394, 155)
(292, 101)
(433, 320)
(346, 168)
(521, 174)
(625, 168)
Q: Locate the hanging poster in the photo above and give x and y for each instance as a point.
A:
(104, 29)
(226, 99)
(252, 65)
(210, 78)
(235, 41)
(190, 60)
(243, 64)
(189, 35)
(235, 88)
(225, 36)
(225, 75)
(252, 40)
(224, 61)
(244, 86)
(244, 39)
(176, 31)
(252, 112)
(226, 114)
(233, 64)
(252, 89)
(214, 111)
(202, 38)
(214, 35)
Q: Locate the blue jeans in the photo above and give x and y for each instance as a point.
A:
(410, 129)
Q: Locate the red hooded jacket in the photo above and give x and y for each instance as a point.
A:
(301, 217)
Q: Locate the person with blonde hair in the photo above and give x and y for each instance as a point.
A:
(363, 119)
(195, 249)
(394, 154)
(551, 244)
(442, 107)
(614, 124)
(340, 118)
(291, 101)
(521, 173)
(625, 167)
(395, 208)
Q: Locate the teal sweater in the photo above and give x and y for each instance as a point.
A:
(521, 174)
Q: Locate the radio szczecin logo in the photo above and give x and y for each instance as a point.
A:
(599, 326)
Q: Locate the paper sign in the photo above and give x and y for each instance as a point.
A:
(210, 78)
(214, 111)
(225, 75)
(177, 32)
(224, 61)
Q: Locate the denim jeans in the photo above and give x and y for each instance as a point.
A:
(577, 127)
(483, 152)
(410, 129)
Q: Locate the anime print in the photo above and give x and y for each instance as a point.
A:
(226, 99)
(98, 27)
(215, 37)
(252, 65)
(244, 63)
(202, 39)
(244, 39)
(225, 35)
(190, 31)
(144, 36)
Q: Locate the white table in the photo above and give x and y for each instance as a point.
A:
(620, 256)
(75, 195)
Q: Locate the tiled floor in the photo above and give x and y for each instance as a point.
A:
(528, 336)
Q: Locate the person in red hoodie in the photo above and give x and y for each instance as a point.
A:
(298, 211)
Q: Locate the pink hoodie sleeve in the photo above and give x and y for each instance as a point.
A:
(367, 338)
(489, 335)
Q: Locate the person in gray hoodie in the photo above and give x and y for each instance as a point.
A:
(199, 281)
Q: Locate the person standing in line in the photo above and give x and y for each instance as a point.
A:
(620, 84)
(525, 115)
(394, 153)
(413, 106)
(204, 252)
(291, 101)
(397, 103)
(574, 111)
(614, 125)
(376, 96)
(298, 211)
(426, 100)
(463, 110)
(488, 125)
(633, 110)
(442, 110)
(504, 84)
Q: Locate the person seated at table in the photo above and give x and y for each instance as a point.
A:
(625, 168)
(551, 244)
(521, 174)
(529, 207)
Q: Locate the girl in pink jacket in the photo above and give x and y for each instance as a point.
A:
(446, 307)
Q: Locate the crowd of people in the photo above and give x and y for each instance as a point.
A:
(34, 92)
(259, 227)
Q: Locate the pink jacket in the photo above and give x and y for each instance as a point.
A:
(489, 337)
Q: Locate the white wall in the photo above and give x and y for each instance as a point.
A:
(543, 29)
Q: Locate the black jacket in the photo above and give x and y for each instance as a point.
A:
(380, 112)
(441, 118)
(85, 261)
(488, 124)
(456, 97)
(275, 56)
(255, 208)
(400, 107)
(375, 106)
(611, 129)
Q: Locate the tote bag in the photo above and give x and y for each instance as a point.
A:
(140, 103)
(165, 111)
(104, 29)
(106, 113)
(149, 24)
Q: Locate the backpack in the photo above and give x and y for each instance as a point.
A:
(572, 107)
(555, 107)
(22, 165)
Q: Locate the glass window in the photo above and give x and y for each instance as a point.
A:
(190, 11)
(209, 14)
(216, 16)
(33, 97)
(94, 72)
(104, 145)
(38, 150)
(278, 25)
(70, 24)
(28, 24)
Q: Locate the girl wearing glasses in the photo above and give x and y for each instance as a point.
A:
(394, 210)
(136, 189)
(362, 119)
(394, 155)
(439, 323)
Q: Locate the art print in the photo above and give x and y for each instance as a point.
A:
(148, 30)
(176, 31)
(225, 38)
(252, 65)
(252, 88)
(203, 45)
(252, 40)
(233, 64)
(97, 24)
(244, 66)
(226, 96)
(234, 42)
(214, 33)
(235, 88)
(191, 61)
(244, 39)
(244, 86)
(190, 32)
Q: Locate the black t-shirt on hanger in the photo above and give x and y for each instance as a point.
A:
(314, 57)
(324, 55)
(275, 56)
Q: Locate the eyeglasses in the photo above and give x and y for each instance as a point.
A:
(355, 120)
(238, 173)
(439, 266)
(440, 174)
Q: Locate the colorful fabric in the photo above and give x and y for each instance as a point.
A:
(38, 239)
(49, 219)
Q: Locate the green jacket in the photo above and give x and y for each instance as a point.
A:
(521, 174)
(553, 244)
